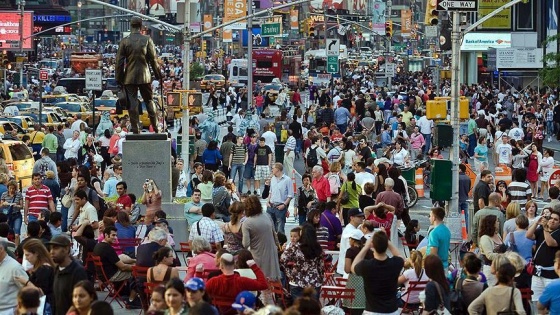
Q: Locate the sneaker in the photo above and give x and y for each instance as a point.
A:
(549, 139)
(248, 192)
(133, 305)
(258, 192)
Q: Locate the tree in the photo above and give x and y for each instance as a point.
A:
(197, 70)
(550, 74)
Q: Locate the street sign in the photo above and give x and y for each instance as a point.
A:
(94, 80)
(389, 70)
(456, 5)
(333, 47)
(43, 75)
(270, 29)
(431, 31)
(332, 64)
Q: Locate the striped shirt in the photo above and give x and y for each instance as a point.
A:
(238, 154)
(38, 199)
(290, 144)
(519, 192)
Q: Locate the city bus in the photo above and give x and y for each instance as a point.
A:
(238, 73)
(267, 65)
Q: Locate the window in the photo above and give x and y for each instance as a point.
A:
(20, 152)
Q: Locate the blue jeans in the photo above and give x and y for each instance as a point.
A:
(428, 139)
(64, 212)
(240, 169)
(342, 128)
(278, 218)
(550, 128)
(472, 144)
(15, 223)
(32, 218)
(299, 145)
(302, 218)
(465, 206)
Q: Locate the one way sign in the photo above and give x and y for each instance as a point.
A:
(333, 47)
(457, 5)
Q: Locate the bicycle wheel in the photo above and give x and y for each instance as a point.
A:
(413, 196)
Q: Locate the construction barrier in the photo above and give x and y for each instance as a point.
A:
(502, 172)
(464, 234)
(419, 182)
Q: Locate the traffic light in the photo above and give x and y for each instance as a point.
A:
(431, 13)
(5, 62)
(311, 32)
(389, 28)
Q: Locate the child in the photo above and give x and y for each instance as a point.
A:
(294, 237)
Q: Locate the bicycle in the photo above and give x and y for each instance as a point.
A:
(411, 189)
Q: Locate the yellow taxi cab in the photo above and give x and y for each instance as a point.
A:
(58, 98)
(7, 127)
(48, 118)
(25, 122)
(104, 104)
(74, 108)
(216, 80)
(19, 160)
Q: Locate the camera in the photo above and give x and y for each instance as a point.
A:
(547, 217)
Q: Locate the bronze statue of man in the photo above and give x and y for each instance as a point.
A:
(135, 57)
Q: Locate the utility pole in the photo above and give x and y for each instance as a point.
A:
(249, 54)
(389, 43)
(186, 81)
(456, 37)
(21, 12)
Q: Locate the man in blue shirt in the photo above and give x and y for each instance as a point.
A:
(341, 118)
(439, 238)
(550, 300)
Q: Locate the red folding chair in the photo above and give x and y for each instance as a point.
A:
(127, 245)
(328, 245)
(409, 246)
(340, 282)
(278, 292)
(114, 290)
(141, 275)
(330, 271)
(186, 251)
(223, 304)
(333, 295)
(413, 286)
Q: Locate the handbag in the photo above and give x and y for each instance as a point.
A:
(344, 196)
(511, 310)
(97, 158)
(67, 200)
(441, 310)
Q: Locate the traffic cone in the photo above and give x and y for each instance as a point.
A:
(419, 182)
(464, 233)
(294, 181)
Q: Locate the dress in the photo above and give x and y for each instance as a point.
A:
(232, 240)
(260, 238)
(532, 167)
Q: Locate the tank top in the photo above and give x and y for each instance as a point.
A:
(165, 277)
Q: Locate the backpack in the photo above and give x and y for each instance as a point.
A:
(312, 159)
(458, 305)
(102, 204)
(43, 168)
(334, 183)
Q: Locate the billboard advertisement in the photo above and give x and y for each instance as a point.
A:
(9, 30)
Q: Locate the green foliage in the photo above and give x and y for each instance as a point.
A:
(550, 75)
(197, 70)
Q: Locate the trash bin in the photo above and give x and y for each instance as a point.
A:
(409, 174)
(279, 153)
(441, 175)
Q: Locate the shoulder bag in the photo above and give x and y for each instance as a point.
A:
(441, 310)
(512, 246)
(511, 310)
(344, 196)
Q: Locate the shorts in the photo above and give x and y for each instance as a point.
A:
(262, 172)
(537, 286)
(121, 276)
(249, 172)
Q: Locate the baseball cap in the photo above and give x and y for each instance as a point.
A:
(355, 212)
(243, 300)
(60, 240)
(357, 235)
(195, 284)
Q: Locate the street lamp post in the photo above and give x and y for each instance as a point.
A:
(21, 11)
(79, 26)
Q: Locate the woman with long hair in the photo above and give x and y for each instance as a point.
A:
(480, 154)
(502, 189)
(303, 262)
(175, 297)
(533, 169)
(314, 219)
(437, 290)
(414, 272)
(233, 236)
(104, 142)
(42, 273)
(400, 188)
(547, 167)
(163, 270)
(349, 155)
(83, 296)
(490, 244)
(512, 211)
(381, 175)
(221, 197)
(125, 230)
(501, 297)
(353, 190)
(151, 198)
(531, 211)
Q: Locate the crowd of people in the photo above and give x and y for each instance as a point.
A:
(350, 207)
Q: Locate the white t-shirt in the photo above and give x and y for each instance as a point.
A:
(410, 275)
(398, 157)
(344, 245)
(364, 177)
(504, 153)
(516, 133)
(270, 139)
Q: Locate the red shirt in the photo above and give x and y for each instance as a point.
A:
(38, 199)
(322, 188)
(229, 286)
(124, 201)
(382, 223)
